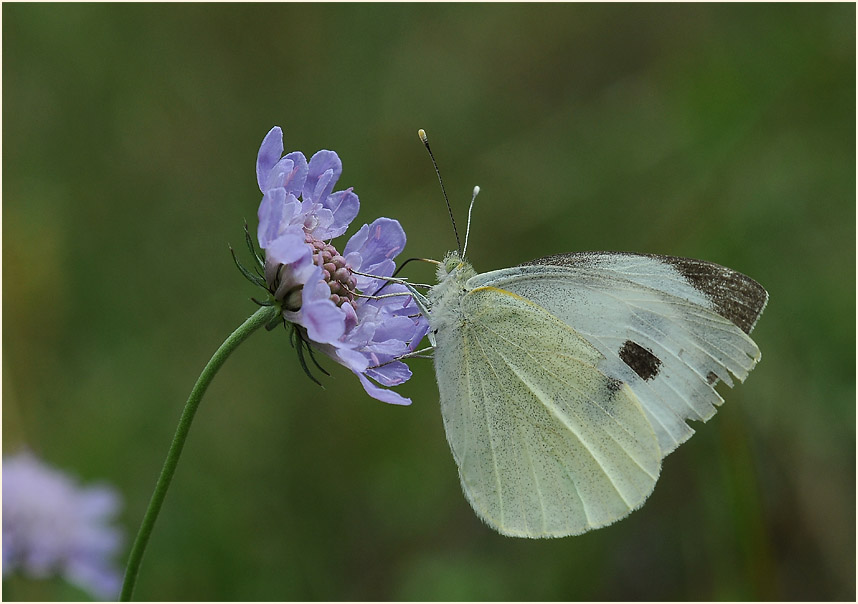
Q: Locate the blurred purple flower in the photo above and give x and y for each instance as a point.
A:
(52, 526)
(314, 283)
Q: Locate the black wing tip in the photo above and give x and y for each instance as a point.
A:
(735, 295)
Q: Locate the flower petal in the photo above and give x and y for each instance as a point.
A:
(344, 205)
(370, 285)
(392, 374)
(352, 359)
(325, 321)
(382, 394)
(289, 173)
(355, 244)
(395, 328)
(324, 171)
(277, 174)
(269, 154)
(319, 223)
(351, 317)
(295, 180)
(288, 248)
(380, 241)
(420, 331)
(402, 305)
(276, 211)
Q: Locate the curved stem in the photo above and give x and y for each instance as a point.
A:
(261, 317)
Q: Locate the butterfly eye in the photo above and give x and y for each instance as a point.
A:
(451, 263)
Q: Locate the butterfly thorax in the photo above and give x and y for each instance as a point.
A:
(446, 297)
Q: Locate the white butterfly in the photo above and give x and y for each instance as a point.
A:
(566, 380)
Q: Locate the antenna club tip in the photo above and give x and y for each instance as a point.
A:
(422, 134)
(476, 190)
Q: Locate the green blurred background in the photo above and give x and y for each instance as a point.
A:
(130, 132)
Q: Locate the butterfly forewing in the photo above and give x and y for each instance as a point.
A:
(668, 327)
(731, 294)
(546, 443)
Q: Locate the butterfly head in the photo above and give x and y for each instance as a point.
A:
(454, 266)
(445, 297)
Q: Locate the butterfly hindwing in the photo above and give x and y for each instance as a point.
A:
(668, 327)
(547, 443)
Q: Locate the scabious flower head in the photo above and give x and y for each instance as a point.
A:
(315, 285)
(52, 526)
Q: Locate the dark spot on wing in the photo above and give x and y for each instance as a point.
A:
(613, 385)
(711, 378)
(642, 361)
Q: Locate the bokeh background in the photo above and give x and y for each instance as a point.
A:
(130, 132)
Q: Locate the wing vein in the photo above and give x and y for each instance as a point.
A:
(535, 480)
(490, 431)
(560, 378)
(549, 405)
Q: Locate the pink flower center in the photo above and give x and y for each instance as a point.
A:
(335, 271)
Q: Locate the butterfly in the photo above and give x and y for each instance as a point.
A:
(565, 381)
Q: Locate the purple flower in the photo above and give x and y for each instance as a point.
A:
(52, 526)
(314, 284)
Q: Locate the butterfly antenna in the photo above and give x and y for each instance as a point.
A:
(468, 227)
(422, 134)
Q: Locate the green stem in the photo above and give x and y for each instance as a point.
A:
(261, 317)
